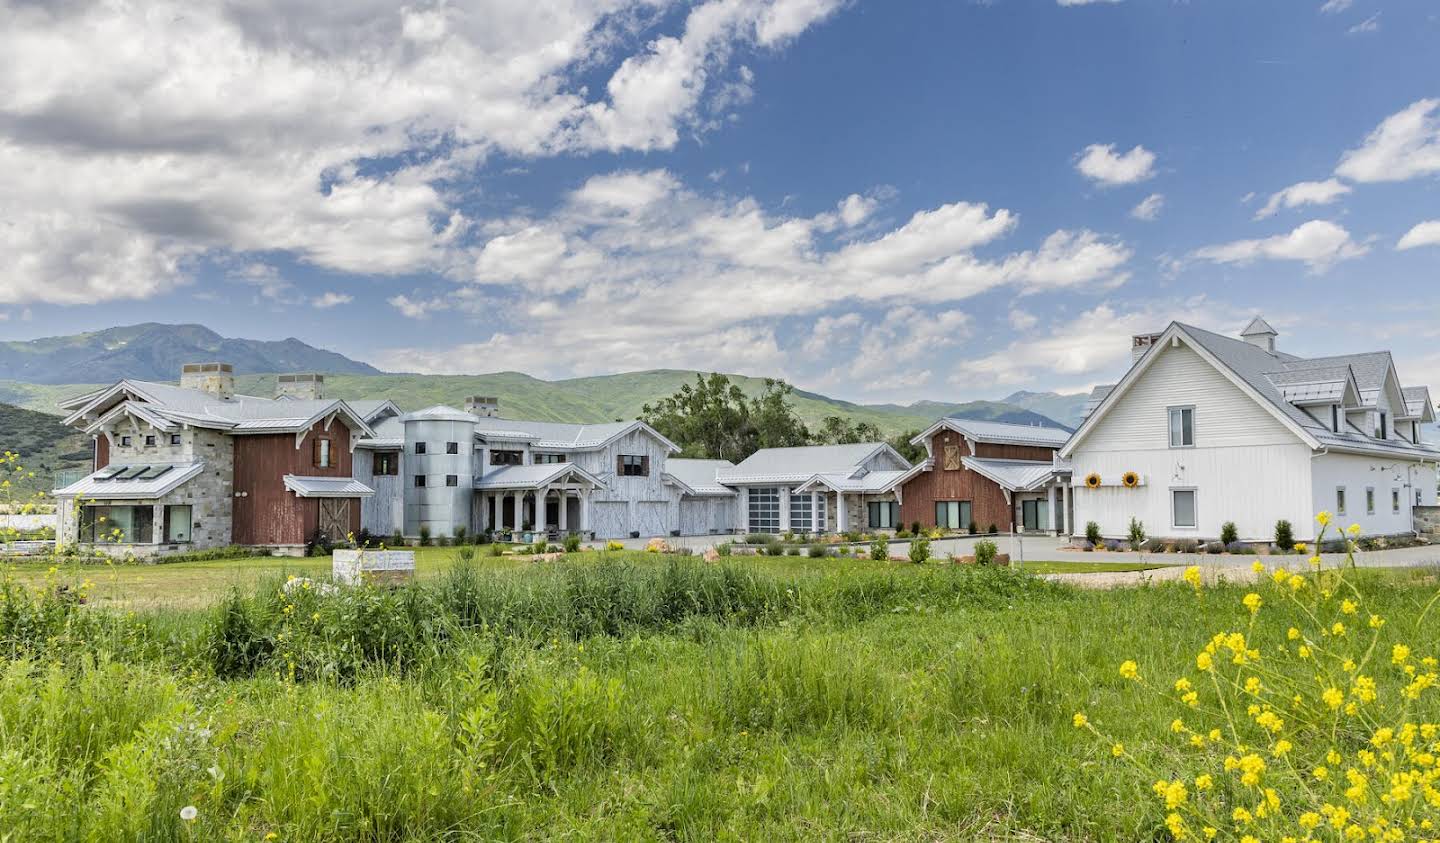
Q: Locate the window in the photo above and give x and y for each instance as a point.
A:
(174, 439)
(1182, 508)
(117, 524)
(1340, 501)
(1380, 429)
(1370, 500)
(419, 447)
(632, 466)
(953, 515)
(807, 513)
(884, 515)
(177, 523)
(1419, 501)
(507, 457)
(1395, 501)
(150, 440)
(387, 464)
(125, 441)
(1335, 417)
(764, 505)
(322, 454)
(452, 447)
(419, 481)
(1182, 427)
(452, 480)
(549, 459)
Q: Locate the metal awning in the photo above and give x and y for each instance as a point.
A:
(327, 487)
(131, 481)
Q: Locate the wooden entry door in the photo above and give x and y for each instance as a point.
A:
(335, 517)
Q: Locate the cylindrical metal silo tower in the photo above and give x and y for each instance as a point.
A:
(438, 470)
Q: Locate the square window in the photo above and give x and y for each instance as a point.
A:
(174, 439)
(419, 481)
(452, 447)
(452, 480)
(634, 466)
(1182, 427)
(124, 441)
(419, 447)
(150, 440)
(1182, 508)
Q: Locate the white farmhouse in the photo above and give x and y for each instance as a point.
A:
(1206, 429)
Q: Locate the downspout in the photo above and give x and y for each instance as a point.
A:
(1323, 451)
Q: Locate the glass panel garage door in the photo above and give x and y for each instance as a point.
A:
(765, 510)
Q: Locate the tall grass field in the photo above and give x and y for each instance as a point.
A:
(624, 697)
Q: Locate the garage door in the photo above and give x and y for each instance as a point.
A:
(607, 519)
(651, 518)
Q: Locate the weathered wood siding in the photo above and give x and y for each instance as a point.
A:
(384, 512)
(629, 503)
(102, 453)
(987, 500)
(703, 516)
(269, 514)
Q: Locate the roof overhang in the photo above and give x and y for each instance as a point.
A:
(327, 487)
(985, 469)
(101, 485)
(524, 481)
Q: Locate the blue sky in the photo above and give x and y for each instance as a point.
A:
(879, 201)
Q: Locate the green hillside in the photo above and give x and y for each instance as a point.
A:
(45, 446)
(602, 398)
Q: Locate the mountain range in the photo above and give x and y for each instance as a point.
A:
(152, 351)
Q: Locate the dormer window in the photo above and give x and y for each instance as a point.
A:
(1335, 417)
(1380, 432)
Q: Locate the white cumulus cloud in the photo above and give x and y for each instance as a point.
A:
(1303, 193)
(1103, 165)
(1149, 207)
(1405, 145)
(1317, 243)
(1423, 234)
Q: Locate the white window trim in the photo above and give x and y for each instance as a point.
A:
(1169, 416)
(1342, 500)
(1196, 493)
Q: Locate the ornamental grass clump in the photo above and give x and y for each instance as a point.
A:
(1326, 730)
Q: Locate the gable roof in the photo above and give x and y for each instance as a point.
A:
(240, 414)
(1000, 433)
(871, 482)
(1258, 327)
(1012, 475)
(533, 476)
(562, 435)
(1250, 368)
(799, 464)
(135, 481)
(1418, 405)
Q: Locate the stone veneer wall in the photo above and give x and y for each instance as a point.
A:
(1427, 520)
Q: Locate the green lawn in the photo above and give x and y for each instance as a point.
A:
(197, 584)
(625, 698)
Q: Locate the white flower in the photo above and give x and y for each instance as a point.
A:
(188, 813)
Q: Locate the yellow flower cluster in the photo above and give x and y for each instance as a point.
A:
(1328, 733)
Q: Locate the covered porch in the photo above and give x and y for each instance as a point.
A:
(552, 499)
(1037, 492)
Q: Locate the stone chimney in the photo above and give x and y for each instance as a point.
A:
(303, 386)
(1259, 333)
(218, 379)
(484, 406)
(1141, 343)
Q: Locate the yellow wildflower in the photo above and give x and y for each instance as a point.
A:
(1323, 518)
(1129, 669)
(1399, 653)
(1253, 602)
(1080, 720)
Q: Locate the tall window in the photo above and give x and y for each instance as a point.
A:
(1182, 427)
(632, 466)
(177, 523)
(419, 447)
(764, 510)
(1340, 501)
(884, 515)
(807, 514)
(1380, 429)
(953, 515)
(1370, 500)
(1335, 417)
(507, 457)
(1395, 501)
(323, 458)
(1182, 508)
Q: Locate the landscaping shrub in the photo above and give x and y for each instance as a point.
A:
(572, 542)
(879, 550)
(902, 533)
(818, 551)
(760, 538)
(723, 549)
(460, 534)
(1137, 533)
(792, 551)
(919, 550)
(972, 527)
(854, 537)
(497, 549)
(1112, 545)
(1228, 534)
(1215, 547)
(993, 530)
(985, 551)
(1187, 546)
(320, 543)
(397, 539)
(1092, 533)
(424, 535)
(1239, 547)
(915, 528)
(774, 549)
(1284, 536)
(465, 554)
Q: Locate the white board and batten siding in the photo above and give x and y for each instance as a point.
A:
(1387, 477)
(1246, 466)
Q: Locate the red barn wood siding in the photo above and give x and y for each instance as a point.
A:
(987, 500)
(102, 452)
(268, 513)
